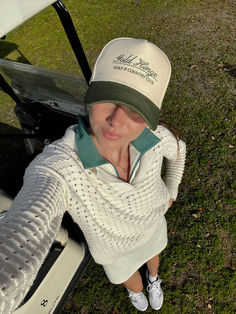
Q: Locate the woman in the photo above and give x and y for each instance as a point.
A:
(106, 171)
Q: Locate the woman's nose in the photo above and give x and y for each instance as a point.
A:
(116, 117)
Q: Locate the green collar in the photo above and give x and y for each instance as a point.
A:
(88, 153)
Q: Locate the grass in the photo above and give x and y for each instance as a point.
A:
(198, 265)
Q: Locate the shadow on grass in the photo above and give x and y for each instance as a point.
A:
(8, 47)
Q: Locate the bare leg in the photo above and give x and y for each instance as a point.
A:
(135, 286)
(134, 283)
(153, 265)
(155, 293)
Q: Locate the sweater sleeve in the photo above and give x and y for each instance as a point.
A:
(26, 234)
(175, 153)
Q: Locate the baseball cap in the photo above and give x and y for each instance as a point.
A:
(131, 72)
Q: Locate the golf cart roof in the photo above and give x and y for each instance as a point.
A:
(15, 12)
(28, 82)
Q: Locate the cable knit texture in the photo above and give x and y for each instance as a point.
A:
(115, 216)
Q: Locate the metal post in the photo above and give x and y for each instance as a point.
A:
(73, 38)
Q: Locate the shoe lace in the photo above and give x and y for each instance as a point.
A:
(154, 288)
(135, 297)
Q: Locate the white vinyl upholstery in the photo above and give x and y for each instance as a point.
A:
(15, 12)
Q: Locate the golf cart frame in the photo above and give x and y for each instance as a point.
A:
(60, 100)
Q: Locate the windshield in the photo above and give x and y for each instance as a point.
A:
(58, 90)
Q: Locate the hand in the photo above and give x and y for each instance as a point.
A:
(170, 202)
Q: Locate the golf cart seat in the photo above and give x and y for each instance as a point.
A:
(67, 259)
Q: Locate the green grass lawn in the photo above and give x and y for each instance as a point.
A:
(197, 267)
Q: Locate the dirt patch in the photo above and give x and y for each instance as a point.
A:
(185, 275)
(227, 248)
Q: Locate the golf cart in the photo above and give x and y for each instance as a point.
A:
(43, 96)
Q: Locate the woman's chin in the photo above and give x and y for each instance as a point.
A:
(109, 144)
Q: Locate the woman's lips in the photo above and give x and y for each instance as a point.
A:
(110, 136)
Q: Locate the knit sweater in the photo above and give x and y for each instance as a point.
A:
(115, 216)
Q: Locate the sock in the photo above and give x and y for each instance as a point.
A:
(136, 293)
(151, 278)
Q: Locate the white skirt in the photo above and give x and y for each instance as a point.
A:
(124, 267)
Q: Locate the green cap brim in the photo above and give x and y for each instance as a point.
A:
(102, 91)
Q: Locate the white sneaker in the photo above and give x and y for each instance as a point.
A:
(155, 294)
(138, 300)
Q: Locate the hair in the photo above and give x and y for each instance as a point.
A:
(174, 132)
